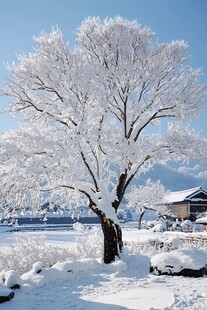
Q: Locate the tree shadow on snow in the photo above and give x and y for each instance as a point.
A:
(93, 305)
(70, 294)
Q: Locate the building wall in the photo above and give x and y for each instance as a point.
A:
(197, 208)
(180, 210)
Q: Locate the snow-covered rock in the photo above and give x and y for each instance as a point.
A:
(11, 279)
(37, 267)
(35, 276)
(183, 262)
(5, 294)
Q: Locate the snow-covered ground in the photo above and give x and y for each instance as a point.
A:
(125, 284)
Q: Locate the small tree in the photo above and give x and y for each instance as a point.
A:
(150, 196)
(96, 116)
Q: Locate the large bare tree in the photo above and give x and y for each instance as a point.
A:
(95, 116)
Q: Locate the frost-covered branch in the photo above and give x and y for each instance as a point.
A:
(98, 115)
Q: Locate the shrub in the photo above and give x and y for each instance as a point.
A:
(25, 251)
(153, 246)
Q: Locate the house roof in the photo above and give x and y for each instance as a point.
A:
(183, 195)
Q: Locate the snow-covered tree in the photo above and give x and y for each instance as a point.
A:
(150, 196)
(95, 116)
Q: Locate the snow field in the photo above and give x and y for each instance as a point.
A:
(125, 284)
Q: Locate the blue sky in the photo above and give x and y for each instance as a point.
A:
(169, 19)
(20, 20)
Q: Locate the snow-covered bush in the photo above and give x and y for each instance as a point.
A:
(122, 215)
(189, 261)
(92, 247)
(78, 226)
(160, 227)
(187, 226)
(25, 251)
(153, 246)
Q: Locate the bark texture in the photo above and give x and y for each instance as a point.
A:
(112, 240)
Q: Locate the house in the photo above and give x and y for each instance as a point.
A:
(187, 203)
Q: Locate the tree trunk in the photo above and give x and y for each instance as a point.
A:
(112, 240)
(140, 219)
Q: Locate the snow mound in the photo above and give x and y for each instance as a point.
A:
(4, 291)
(5, 294)
(176, 261)
(39, 276)
(37, 267)
(159, 227)
(61, 271)
(11, 279)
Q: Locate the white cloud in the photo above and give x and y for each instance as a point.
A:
(202, 175)
(190, 170)
(197, 171)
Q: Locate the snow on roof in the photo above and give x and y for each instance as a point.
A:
(182, 195)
